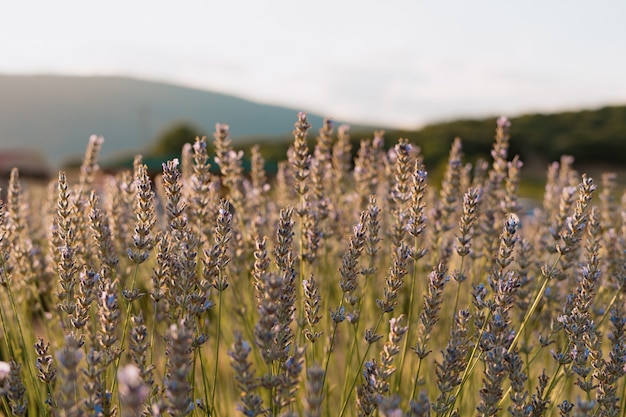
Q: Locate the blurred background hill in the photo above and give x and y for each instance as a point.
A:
(46, 121)
(55, 115)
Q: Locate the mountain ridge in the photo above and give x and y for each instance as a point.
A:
(56, 114)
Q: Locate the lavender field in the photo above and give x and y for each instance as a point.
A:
(340, 287)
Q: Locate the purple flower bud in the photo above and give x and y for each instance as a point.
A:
(503, 122)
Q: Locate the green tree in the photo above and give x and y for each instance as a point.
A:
(171, 140)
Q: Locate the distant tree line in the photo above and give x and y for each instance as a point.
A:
(591, 136)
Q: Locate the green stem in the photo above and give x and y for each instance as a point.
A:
(6, 282)
(152, 332)
(6, 405)
(5, 336)
(407, 339)
(417, 378)
(532, 309)
(551, 387)
(217, 351)
(330, 348)
(356, 377)
(300, 321)
(354, 346)
(458, 291)
(126, 322)
(471, 365)
(27, 352)
(610, 306)
(349, 361)
(205, 382)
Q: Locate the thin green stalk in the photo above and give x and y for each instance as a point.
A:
(217, 350)
(27, 352)
(528, 363)
(556, 374)
(247, 321)
(193, 376)
(52, 405)
(529, 360)
(6, 405)
(533, 307)
(300, 322)
(417, 378)
(458, 291)
(528, 370)
(356, 377)
(555, 378)
(610, 306)
(153, 330)
(126, 322)
(9, 348)
(353, 346)
(205, 382)
(471, 365)
(330, 348)
(407, 338)
(524, 323)
(104, 384)
(6, 282)
(273, 405)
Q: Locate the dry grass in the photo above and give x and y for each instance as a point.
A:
(341, 288)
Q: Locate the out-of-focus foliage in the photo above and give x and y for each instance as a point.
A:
(591, 136)
(171, 140)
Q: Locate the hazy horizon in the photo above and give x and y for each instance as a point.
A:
(56, 114)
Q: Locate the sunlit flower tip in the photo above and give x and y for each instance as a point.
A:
(503, 122)
(512, 222)
(96, 139)
(5, 369)
(301, 116)
(393, 322)
(199, 146)
(421, 175)
(234, 155)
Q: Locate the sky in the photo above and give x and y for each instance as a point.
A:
(391, 63)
